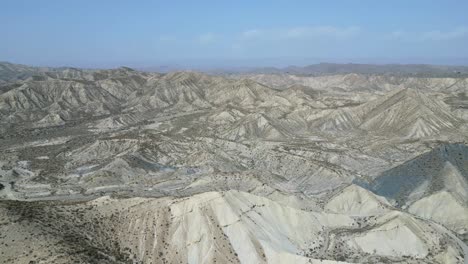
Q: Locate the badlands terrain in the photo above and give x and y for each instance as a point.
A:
(125, 166)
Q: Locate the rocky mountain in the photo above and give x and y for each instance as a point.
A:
(211, 227)
(433, 185)
(408, 113)
(124, 166)
(10, 72)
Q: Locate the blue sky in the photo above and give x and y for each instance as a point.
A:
(142, 33)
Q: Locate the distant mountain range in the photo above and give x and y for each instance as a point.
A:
(416, 70)
(10, 71)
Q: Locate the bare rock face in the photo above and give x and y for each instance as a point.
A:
(122, 166)
(355, 200)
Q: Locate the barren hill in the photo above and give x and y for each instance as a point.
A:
(124, 166)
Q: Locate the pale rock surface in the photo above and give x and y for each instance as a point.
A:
(355, 200)
(248, 168)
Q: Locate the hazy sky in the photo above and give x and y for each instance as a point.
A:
(239, 33)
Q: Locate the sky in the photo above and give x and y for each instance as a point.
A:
(111, 33)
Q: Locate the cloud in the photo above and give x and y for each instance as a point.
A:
(321, 31)
(206, 38)
(251, 33)
(269, 39)
(433, 35)
(333, 32)
(397, 34)
(445, 35)
(301, 32)
(166, 38)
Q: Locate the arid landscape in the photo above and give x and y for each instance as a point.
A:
(283, 166)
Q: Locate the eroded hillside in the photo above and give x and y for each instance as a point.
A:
(125, 166)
